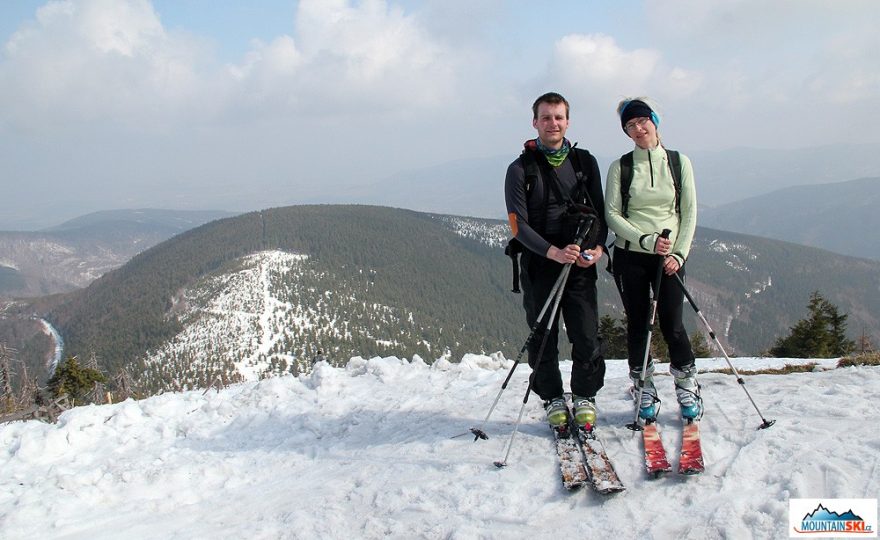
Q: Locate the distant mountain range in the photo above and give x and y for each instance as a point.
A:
(475, 187)
(264, 292)
(841, 217)
(72, 255)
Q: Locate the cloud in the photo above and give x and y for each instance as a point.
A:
(598, 72)
(810, 50)
(97, 60)
(348, 58)
(113, 61)
(118, 102)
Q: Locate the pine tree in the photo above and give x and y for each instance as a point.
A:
(74, 380)
(821, 335)
(613, 333)
(700, 346)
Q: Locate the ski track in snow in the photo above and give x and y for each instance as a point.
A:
(365, 452)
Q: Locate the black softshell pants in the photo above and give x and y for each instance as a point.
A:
(634, 274)
(579, 310)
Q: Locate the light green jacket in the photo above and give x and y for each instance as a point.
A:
(652, 204)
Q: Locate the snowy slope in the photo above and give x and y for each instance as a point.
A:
(365, 452)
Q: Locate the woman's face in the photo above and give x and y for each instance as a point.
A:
(643, 132)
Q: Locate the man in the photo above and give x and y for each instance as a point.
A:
(537, 201)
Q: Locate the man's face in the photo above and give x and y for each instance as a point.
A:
(551, 123)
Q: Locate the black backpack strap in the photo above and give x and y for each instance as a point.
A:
(579, 157)
(530, 167)
(674, 159)
(626, 180)
(534, 170)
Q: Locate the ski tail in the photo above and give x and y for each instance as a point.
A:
(691, 458)
(656, 462)
(603, 477)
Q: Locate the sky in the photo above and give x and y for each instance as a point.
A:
(197, 104)
(345, 453)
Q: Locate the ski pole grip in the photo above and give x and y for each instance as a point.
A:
(585, 226)
(665, 234)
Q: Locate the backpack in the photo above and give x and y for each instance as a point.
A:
(532, 171)
(626, 178)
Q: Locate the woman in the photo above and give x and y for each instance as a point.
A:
(653, 202)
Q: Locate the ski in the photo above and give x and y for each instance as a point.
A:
(603, 478)
(655, 455)
(691, 459)
(571, 462)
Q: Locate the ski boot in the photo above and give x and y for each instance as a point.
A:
(650, 403)
(557, 413)
(584, 412)
(687, 390)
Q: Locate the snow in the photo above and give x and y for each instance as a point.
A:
(57, 350)
(366, 451)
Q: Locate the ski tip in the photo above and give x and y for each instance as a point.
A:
(500, 464)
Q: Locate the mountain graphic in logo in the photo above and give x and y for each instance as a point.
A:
(823, 520)
(823, 514)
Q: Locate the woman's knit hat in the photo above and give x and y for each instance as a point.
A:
(637, 108)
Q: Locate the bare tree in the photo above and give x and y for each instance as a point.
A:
(97, 393)
(7, 399)
(864, 344)
(28, 393)
(123, 384)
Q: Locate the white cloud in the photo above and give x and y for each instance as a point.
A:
(349, 57)
(96, 60)
(813, 50)
(597, 68)
(113, 61)
(598, 59)
(94, 91)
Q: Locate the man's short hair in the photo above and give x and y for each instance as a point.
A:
(552, 98)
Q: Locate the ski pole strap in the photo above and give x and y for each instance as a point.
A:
(515, 288)
(513, 249)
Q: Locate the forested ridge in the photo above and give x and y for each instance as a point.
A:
(412, 283)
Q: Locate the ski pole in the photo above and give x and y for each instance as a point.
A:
(655, 292)
(522, 409)
(478, 431)
(764, 422)
(582, 231)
